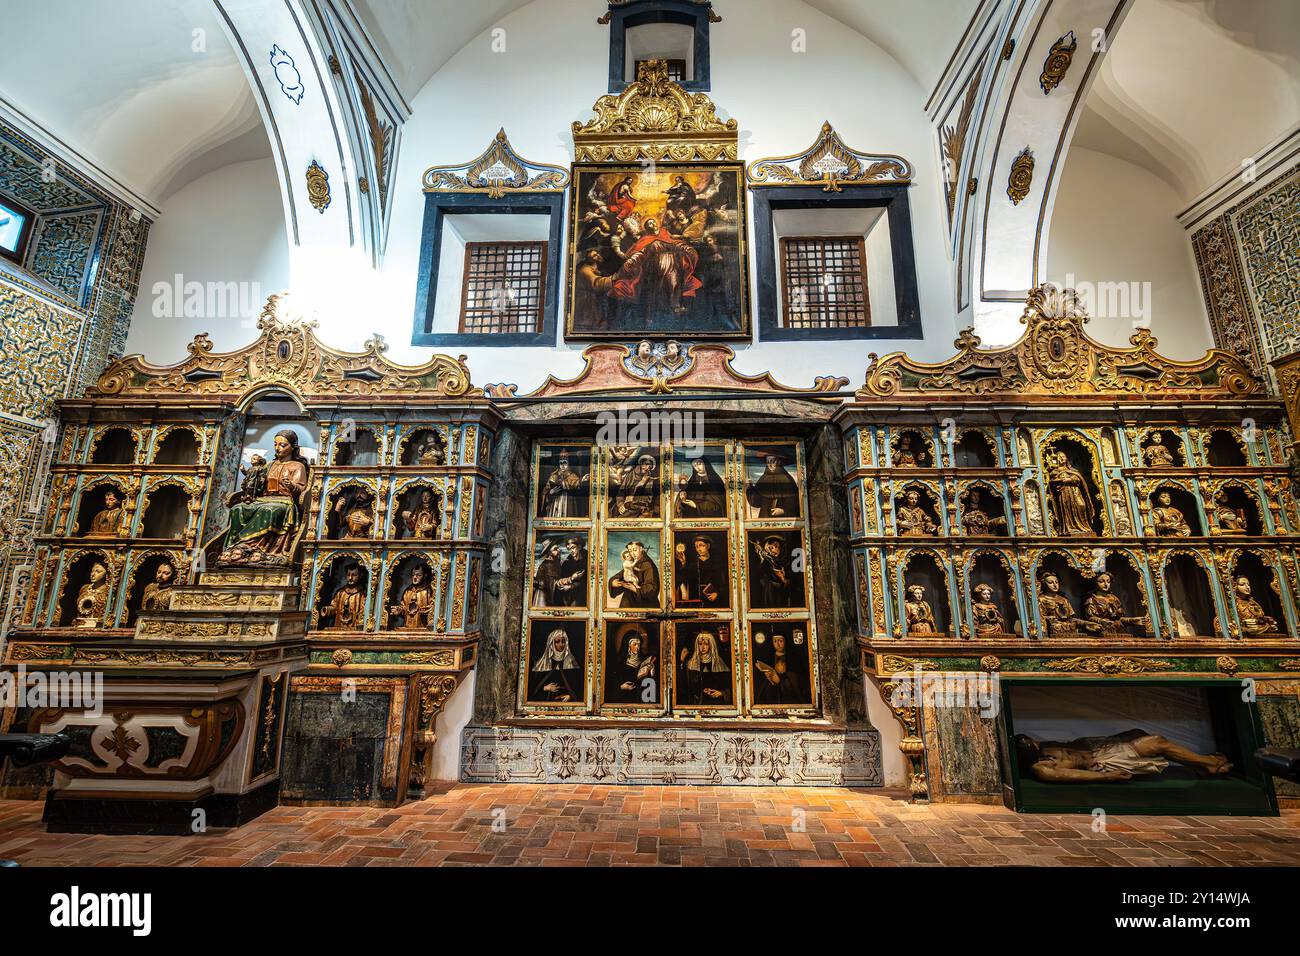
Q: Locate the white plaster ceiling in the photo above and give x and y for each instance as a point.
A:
(419, 36)
(122, 83)
(1191, 88)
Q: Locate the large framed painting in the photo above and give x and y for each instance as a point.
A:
(658, 250)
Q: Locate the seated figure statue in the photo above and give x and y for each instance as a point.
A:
(263, 530)
(1111, 759)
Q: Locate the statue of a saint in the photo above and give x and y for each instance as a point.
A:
(1157, 454)
(1251, 612)
(106, 522)
(347, 608)
(1111, 759)
(911, 518)
(92, 599)
(1072, 507)
(1169, 521)
(974, 519)
(158, 592)
(904, 456)
(1227, 519)
(416, 603)
(263, 531)
(920, 619)
(357, 515)
(423, 521)
(989, 621)
(1103, 612)
(1059, 617)
(431, 451)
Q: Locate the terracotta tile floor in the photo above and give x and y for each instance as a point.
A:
(687, 826)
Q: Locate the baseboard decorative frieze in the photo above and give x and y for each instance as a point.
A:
(671, 755)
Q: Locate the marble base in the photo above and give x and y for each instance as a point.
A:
(671, 755)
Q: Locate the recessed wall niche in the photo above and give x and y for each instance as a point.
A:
(114, 446)
(676, 31)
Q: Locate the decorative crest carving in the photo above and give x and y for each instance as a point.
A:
(1022, 176)
(1057, 62)
(496, 171)
(289, 355)
(661, 369)
(829, 163)
(1056, 357)
(654, 119)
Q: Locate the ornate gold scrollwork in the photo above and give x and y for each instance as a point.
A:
(496, 171)
(829, 163)
(654, 119)
(288, 355)
(1109, 665)
(1057, 62)
(318, 186)
(1054, 357)
(1022, 176)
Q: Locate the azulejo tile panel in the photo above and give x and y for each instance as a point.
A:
(671, 755)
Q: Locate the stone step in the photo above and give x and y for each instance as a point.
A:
(173, 626)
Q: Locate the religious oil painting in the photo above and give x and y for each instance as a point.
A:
(699, 491)
(701, 574)
(631, 676)
(776, 562)
(560, 570)
(632, 575)
(704, 666)
(659, 250)
(781, 664)
(557, 654)
(564, 482)
(772, 488)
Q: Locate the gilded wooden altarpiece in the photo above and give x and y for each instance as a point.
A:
(1023, 425)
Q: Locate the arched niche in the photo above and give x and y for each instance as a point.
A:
(178, 446)
(1126, 585)
(991, 569)
(983, 510)
(410, 605)
(272, 413)
(361, 452)
(1080, 456)
(77, 578)
(166, 512)
(907, 521)
(1181, 500)
(146, 573)
(923, 570)
(424, 446)
(1189, 595)
(911, 448)
(1235, 511)
(351, 511)
(1225, 449)
(1264, 589)
(105, 500)
(339, 574)
(975, 449)
(114, 446)
(1055, 618)
(1162, 448)
(410, 522)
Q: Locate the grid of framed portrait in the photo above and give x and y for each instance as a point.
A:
(669, 581)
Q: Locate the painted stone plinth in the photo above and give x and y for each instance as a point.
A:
(671, 755)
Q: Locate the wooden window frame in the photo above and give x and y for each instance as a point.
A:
(539, 316)
(853, 240)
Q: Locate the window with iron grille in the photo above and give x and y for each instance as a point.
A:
(676, 70)
(824, 282)
(505, 284)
